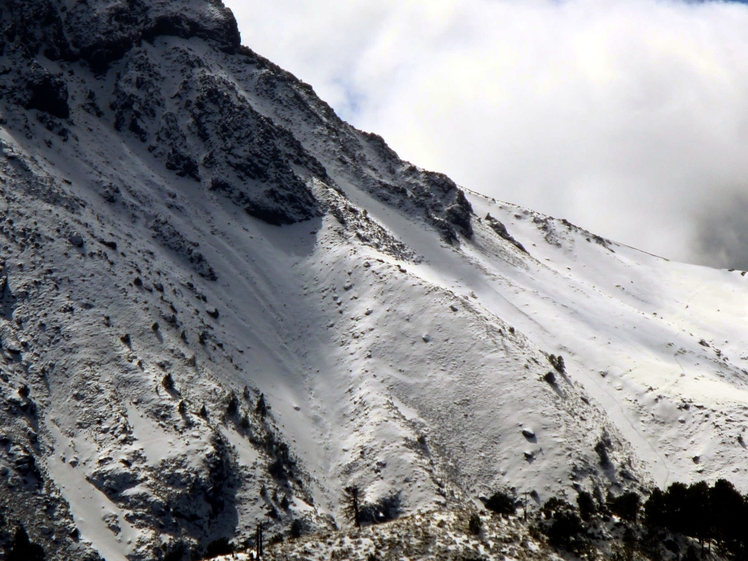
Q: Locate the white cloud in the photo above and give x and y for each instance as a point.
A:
(628, 117)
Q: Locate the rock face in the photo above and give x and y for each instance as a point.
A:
(203, 128)
(81, 80)
(100, 33)
(221, 305)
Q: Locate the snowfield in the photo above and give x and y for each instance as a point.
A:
(226, 305)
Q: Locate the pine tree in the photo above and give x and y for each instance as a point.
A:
(261, 407)
(353, 499)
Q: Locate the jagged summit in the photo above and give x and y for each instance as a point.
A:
(224, 142)
(101, 32)
(220, 304)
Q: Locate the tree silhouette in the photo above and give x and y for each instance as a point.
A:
(626, 506)
(655, 511)
(261, 408)
(702, 512)
(353, 499)
(728, 513)
(586, 505)
(698, 515)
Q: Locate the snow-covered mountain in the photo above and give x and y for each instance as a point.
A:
(221, 305)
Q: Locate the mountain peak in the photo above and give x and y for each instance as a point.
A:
(221, 305)
(100, 32)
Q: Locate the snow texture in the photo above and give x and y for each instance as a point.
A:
(220, 305)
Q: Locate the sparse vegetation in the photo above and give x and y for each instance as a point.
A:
(671, 519)
(562, 526)
(626, 506)
(168, 383)
(220, 546)
(261, 408)
(586, 505)
(352, 503)
(501, 502)
(558, 363)
(474, 524)
(716, 514)
(232, 405)
(296, 529)
(276, 539)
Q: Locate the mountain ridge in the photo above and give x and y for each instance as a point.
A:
(221, 304)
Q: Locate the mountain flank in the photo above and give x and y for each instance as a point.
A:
(221, 305)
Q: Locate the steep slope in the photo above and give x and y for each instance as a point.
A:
(221, 305)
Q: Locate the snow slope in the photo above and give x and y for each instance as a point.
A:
(200, 235)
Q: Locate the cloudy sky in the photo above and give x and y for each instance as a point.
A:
(627, 117)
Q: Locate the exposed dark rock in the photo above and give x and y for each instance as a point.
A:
(31, 27)
(258, 152)
(47, 93)
(444, 204)
(174, 240)
(103, 33)
(498, 227)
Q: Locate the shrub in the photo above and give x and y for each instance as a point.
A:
(168, 383)
(221, 546)
(232, 404)
(474, 524)
(562, 526)
(276, 539)
(602, 453)
(278, 470)
(553, 505)
(501, 503)
(297, 529)
(625, 506)
(586, 504)
(262, 408)
(565, 529)
(558, 363)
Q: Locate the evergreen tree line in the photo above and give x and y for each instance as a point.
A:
(716, 514)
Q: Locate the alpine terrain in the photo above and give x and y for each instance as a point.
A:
(222, 305)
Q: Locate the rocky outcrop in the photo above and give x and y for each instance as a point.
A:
(100, 33)
(122, 117)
